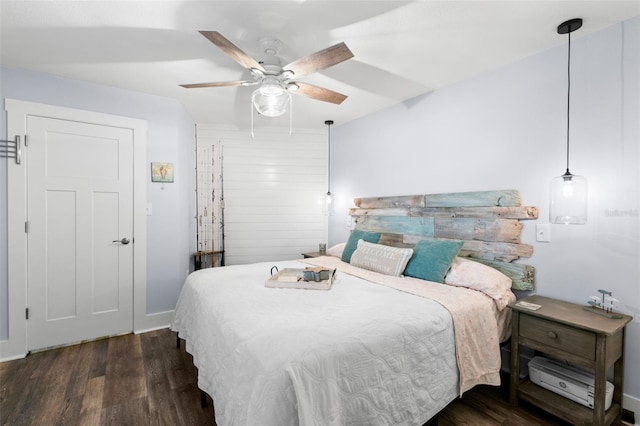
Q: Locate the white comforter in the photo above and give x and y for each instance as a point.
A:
(358, 354)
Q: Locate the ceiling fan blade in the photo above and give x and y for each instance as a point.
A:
(320, 60)
(319, 93)
(219, 84)
(232, 50)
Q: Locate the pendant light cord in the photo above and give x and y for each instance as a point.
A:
(329, 161)
(568, 96)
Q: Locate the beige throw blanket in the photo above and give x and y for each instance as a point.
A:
(476, 331)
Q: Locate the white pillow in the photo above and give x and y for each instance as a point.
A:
(336, 251)
(380, 258)
(480, 277)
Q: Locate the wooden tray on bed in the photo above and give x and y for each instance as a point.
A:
(294, 278)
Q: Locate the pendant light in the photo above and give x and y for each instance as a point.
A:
(329, 197)
(569, 191)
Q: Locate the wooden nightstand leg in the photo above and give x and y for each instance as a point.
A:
(514, 362)
(601, 380)
(618, 381)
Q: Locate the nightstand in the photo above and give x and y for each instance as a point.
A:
(311, 254)
(567, 332)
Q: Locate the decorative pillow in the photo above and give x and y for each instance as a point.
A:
(432, 258)
(336, 251)
(352, 242)
(379, 258)
(480, 277)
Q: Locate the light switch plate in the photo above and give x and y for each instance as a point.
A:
(543, 232)
(149, 209)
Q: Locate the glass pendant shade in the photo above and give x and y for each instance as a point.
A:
(271, 99)
(568, 199)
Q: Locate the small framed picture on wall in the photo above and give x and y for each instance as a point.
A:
(161, 172)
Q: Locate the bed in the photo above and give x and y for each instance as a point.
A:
(380, 347)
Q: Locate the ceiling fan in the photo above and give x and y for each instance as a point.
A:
(276, 81)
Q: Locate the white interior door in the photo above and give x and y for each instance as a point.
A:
(80, 217)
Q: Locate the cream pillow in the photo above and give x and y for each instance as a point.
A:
(480, 277)
(380, 258)
(336, 251)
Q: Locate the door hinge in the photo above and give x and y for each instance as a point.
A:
(26, 313)
(26, 227)
(26, 140)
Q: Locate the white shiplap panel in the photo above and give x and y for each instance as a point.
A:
(274, 192)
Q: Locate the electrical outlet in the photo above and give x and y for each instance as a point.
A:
(543, 232)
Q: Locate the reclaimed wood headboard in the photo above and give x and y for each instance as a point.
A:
(488, 222)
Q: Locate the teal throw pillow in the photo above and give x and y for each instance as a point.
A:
(352, 243)
(432, 258)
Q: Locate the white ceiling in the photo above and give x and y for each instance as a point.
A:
(402, 49)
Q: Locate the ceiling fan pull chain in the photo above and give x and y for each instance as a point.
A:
(290, 116)
(253, 136)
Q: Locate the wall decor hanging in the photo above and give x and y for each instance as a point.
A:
(162, 172)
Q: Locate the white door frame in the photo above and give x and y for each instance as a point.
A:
(17, 112)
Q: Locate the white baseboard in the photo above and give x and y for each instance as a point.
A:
(150, 322)
(632, 403)
(147, 330)
(13, 357)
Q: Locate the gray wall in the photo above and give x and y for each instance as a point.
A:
(171, 138)
(505, 129)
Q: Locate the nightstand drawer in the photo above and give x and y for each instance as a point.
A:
(581, 343)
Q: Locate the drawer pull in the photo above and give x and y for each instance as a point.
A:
(552, 335)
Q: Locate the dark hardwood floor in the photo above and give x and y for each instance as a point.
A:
(145, 380)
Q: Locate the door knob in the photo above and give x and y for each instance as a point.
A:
(123, 241)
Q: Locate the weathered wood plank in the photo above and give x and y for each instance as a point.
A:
(489, 251)
(497, 248)
(508, 249)
(519, 212)
(503, 198)
(399, 211)
(395, 201)
(522, 276)
(513, 212)
(500, 257)
(502, 230)
(423, 226)
(394, 240)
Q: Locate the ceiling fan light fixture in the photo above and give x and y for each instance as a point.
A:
(273, 97)
(271, 100)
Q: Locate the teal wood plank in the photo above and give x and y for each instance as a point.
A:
(422, 226)
(505, 198)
